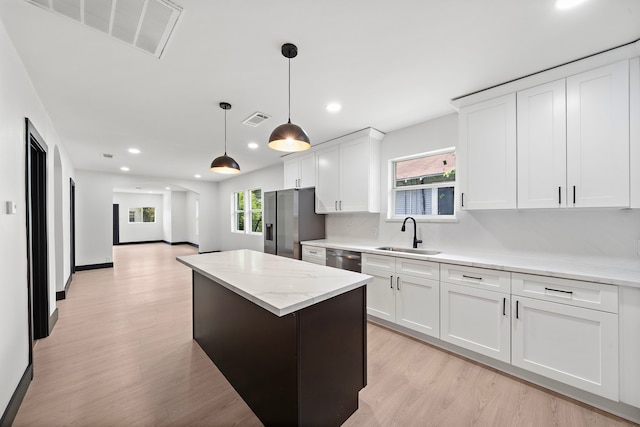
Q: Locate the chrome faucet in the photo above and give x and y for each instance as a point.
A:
(415, 240)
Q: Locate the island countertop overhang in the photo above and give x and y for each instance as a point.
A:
(277, 284)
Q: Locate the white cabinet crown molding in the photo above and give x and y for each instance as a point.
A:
(596, 60)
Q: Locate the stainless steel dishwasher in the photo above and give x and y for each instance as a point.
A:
(346, 260)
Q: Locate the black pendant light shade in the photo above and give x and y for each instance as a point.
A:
(289, 137)
(225, 164)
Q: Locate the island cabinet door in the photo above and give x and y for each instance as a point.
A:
(476, 319)
(574, 345)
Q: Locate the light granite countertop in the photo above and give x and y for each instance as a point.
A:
(278, 284)
(611, 271)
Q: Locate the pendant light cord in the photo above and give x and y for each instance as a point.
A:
(289, 90)
(225, 131)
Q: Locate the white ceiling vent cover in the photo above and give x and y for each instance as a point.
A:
(144, 24)
(255, 119)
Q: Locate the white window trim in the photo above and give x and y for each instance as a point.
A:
(391, 190)
(247, 212)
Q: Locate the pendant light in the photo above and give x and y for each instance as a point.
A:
(289, 137)
(225, 164)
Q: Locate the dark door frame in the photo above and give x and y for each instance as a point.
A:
(37, 239)
(72, 225)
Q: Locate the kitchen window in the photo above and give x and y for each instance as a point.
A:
(423, 186)
(247, 211)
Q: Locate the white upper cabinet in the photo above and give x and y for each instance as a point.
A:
(598, 137)
(487, 154)
(348, 175)
(300, 172)
(542, 146)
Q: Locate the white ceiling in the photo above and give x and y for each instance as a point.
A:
(390, 64)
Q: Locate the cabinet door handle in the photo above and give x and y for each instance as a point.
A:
(574, 194)
(517, 307)
(559, 195)
(462, 199)
(558, 290)
(391, 282)
(504, 306)
(340, 204)
(464, 276)
(298, 182)
(398, 282)
(336, 203)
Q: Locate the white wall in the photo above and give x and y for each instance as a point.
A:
(545, 233)
(94, 198)
(178, 216)
(139, 231)
(166, 217)
(193, 199)
(18, 100)
(269, 179)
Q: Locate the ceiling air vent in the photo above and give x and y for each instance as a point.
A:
(144, 24)
(255, 119)
(107, 155)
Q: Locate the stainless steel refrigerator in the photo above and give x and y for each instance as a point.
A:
(290, 218)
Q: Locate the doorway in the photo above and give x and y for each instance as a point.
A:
(116, 224)
(37, 240)
(72, 225)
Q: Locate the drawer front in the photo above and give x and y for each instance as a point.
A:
(482, 278)
(314, 253)
(378, 263)
(565, 291)
(416, 268)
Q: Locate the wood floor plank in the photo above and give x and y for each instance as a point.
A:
(122, 354)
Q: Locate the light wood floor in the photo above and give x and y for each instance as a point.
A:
(121, 354)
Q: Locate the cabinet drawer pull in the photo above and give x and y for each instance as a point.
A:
(558, 290)
(398, 282)
(504, 306)
(313, 252)
(391, 282)
(517, 306)
(464, 276)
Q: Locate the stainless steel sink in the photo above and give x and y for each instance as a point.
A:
(408, 250)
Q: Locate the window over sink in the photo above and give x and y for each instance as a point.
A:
(423, 186)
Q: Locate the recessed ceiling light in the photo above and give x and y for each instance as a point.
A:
(134, 151)
(196, 176)
(333, 107)
(567, 4)
(167, 188)
(124, 169)
(252, 145)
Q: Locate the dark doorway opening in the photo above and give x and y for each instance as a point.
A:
(37, 240)
(72, 220)
(116, 224)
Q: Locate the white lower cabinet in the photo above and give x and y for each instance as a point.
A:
(556, 336)
(476, 319)
(404, 291)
